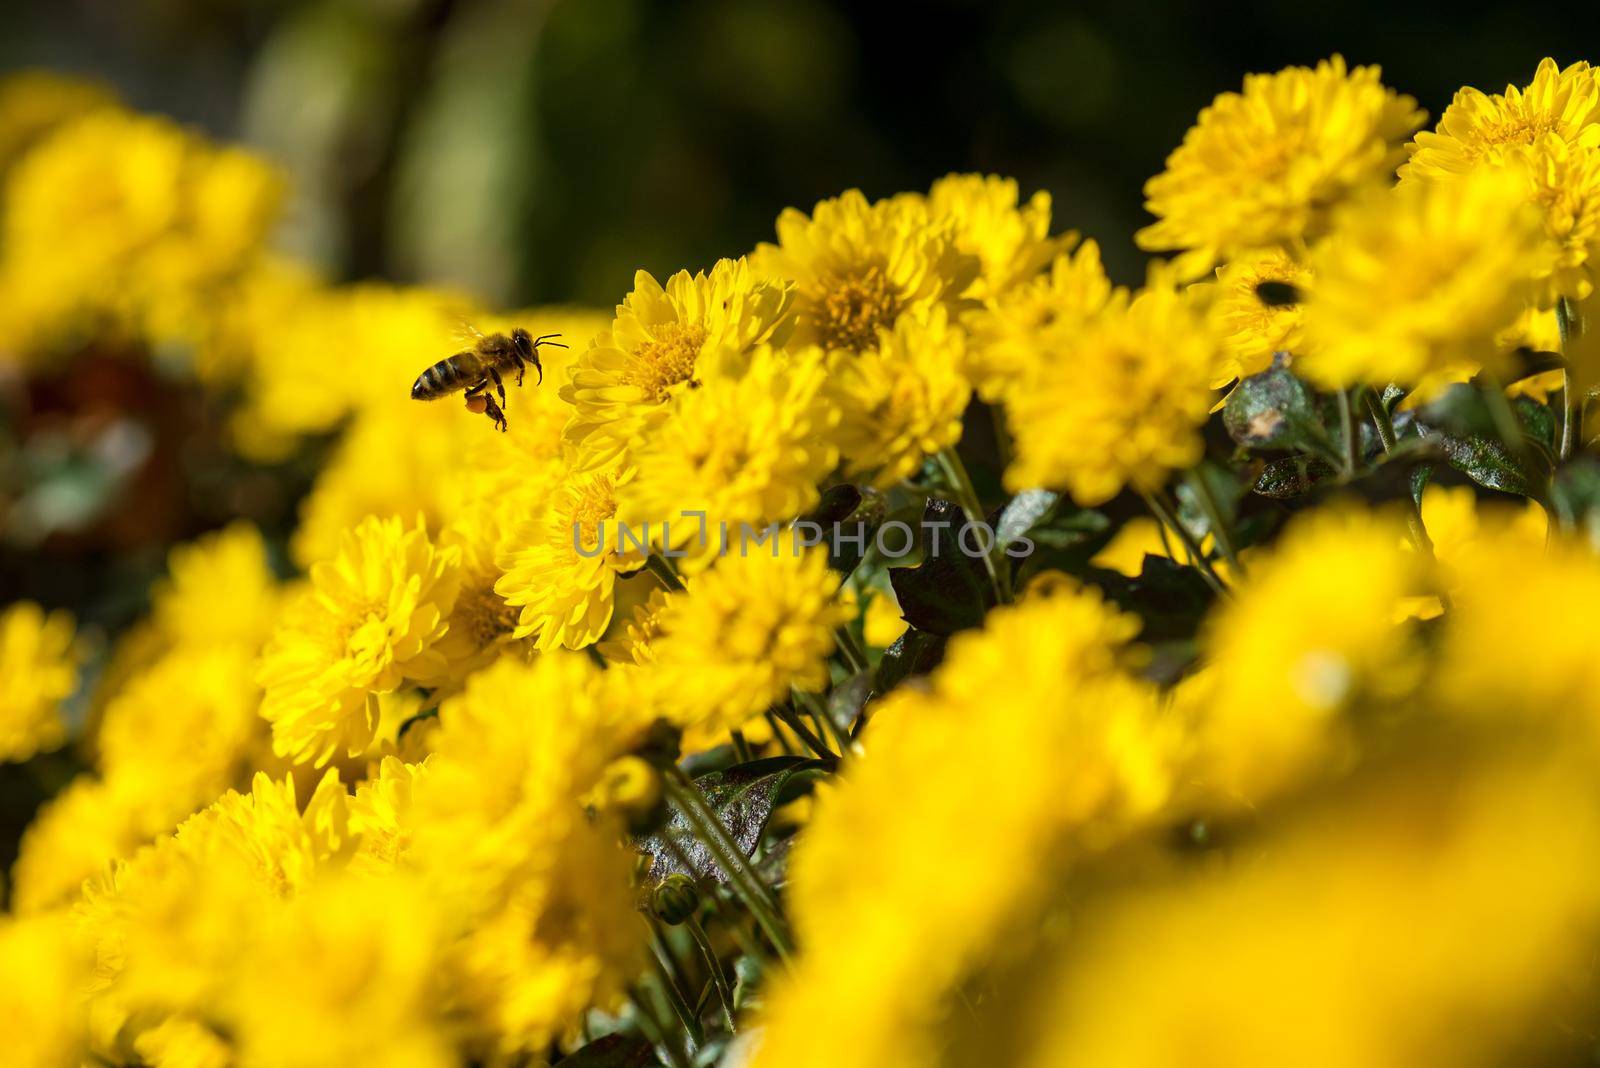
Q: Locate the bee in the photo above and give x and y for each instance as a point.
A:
(480, 367)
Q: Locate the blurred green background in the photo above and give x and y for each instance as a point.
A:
(540, 150)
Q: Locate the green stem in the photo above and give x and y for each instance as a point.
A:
(855, 657)
(742, 747)
(777, 733)
(1167, 518)
(1002, 434)
(1388, 439)
(650, 1024)
(1213, 510)
(708, 827)
(1507, 426)
(1571, 403)
(676, 997)
(664, 573)
(994, 561)
(824, 721)
(714, 966)
(818, 747)
(1352, 433)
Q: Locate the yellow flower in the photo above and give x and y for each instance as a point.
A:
(1564, 182)
(624, 380)
(858, 267)
(38, 671)
(749, 447)
(744, 632)
(1479, 129)
(347, 973)
(1415, 283)
(636, 643)
(132, 222)
(561, 574)
(34, 102)
(368, 619)
(380, 815)
(1018, 333)
(43, 970)
(1435, 914)
(903, 401)
(1311, 634)
(1261, 167)
(502, 841)
(220, 591)
(890, 926)
(883, 623)
(1011, 240)
(76, 835)
(1122, 404)
(1250, 329)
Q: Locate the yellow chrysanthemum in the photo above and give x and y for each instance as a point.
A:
(859, 267)
(347, 973)
(1564, 182)
(1479, 129)
(1019, 332)
(636, 642)
(1011, 240)
(561, 574)
(1249, 328)
(1312, 633)
(1415, 282)
(902, 401)
(130, 222)
(34, 102)
(1261, 167)
(44, 968)
(652, 351)
(889, 927)
(380, 815)
(744, 633)
(219, 591)
(38, 671)
(501, 839)
(1122, 403)
(76, 835)
(368, 619)
(748, 447)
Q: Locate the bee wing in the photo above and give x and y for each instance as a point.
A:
(467, 332)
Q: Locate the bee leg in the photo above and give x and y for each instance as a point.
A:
(499, 386)
(476, 401)
(537, 366)
(494, 411)
(521, 368)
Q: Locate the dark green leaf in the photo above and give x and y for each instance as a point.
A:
(1575, 496)
(950, 590)
(612, 1051)
(847, 698)
(1293, 476)
(1024, 511)
(743, 797)
(916, 652)
(1225, 492)
(1170, 598)
(1275, 410)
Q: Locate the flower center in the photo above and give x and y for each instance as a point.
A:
(852, 307)
(594, 503)
(666, 360)
(1517, 131)
(486, 614)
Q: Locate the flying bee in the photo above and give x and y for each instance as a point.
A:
(480, 367)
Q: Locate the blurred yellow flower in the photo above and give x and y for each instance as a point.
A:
(1122, 403)
(367, 619)
(38, 671)
(1261, 168)
(34, 102)
(1415, 283)
(75, 836)
(859, 266)
(623, 380)
(903, 401)
(1019, 333)
(1250, 329)
(219, 591)
(44, 968)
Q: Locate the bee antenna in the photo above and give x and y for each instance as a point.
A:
(542, 338)
(551, 344)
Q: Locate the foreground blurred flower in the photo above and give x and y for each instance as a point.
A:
(890, 926)
(38, 671)
(220, 591)
(1122, 403)
(43, 970)
(1262, 167)
(1415, 283)
(860, 266)
(652, 351)
(367, 619)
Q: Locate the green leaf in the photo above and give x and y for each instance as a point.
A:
(1170, 598)
(916, 652)
(1023, 512)
(1575, 497)
(743, 797)
(1487, 462)
(846, 699)
(1293, 476)
(1275, 410)
(1225, 491)
(949, 591)
(612, 1051)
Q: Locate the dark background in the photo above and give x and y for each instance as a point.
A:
(537, 151)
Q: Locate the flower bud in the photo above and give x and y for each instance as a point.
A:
(676, 899)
